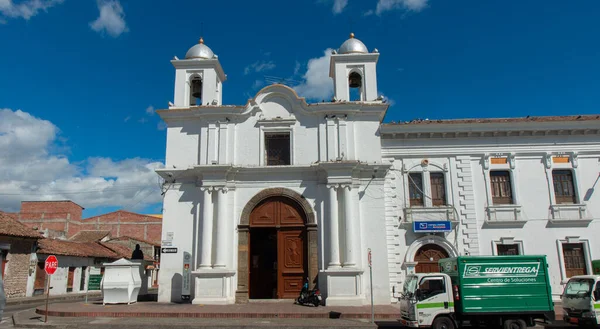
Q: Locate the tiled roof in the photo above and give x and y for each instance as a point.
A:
(71, 248)
(89, 236)
(127, 238)
(500, 120)
(122, 251)
(11, 227)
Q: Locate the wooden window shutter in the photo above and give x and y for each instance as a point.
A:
(438, 189)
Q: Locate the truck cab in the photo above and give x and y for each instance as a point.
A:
(581, 300)
(425, 298)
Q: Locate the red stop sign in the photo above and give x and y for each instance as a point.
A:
(51, 264)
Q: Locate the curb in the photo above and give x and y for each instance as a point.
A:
(330, 315)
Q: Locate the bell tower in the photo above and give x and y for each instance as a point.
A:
(198, 77)
(354, 72)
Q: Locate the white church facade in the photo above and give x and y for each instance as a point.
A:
(260, 197)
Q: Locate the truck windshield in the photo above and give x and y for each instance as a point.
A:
(410, 285)
(579, 288)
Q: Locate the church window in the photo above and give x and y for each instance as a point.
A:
(277, 146)
(196, 91)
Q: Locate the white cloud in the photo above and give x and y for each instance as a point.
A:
(409, 5)
(127, 118)
(317, 84)
(25, 9)
(297, 68)
(339, 5)
(111, 19)
(150, 110)
(32, 170)
(257, 84)
(259, 66)
(161, 125)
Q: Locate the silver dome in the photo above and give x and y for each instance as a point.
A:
(353, 45)
(200, 51)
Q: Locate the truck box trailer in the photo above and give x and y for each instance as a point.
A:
(508, 291)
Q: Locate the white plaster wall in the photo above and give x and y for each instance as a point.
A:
(182, 144)
(33, 259)
(538, 235)
(180, 217)
(58, 280)
(373, 234)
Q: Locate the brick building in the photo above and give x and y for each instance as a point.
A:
(63, 219)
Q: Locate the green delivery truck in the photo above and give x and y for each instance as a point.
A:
(488, 291)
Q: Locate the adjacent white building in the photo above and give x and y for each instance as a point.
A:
(259, 197)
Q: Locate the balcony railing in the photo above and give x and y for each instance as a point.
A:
(505, 214)
(569, 213)
(438, 213)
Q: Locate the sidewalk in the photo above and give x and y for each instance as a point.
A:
(149, 315)
(52, 299)
(275, 310)
(30, 319)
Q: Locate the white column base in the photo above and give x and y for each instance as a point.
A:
(213, 286)
(344, 287)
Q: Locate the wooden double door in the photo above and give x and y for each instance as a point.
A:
(278, 252)
(427, 258)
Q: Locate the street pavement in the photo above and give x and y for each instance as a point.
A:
(29, 319)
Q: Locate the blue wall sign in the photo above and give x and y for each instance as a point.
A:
(428, 227)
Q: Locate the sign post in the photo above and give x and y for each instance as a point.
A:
(371, 278)
(50, 267)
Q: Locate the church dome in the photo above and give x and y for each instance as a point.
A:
(200, 51)
(353, 45)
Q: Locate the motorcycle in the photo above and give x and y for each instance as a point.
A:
(309, 297)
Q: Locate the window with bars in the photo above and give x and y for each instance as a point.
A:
(415, 189)
(574, 258)
(564, 189)
(507, 249)
(277, 147)
(501, 187)
(438, 189)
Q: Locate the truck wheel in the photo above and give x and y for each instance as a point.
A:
(515, 324)
(442, 323)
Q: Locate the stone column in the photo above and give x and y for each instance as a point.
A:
(350, 250)
(223, 241)
(207, 229)
(334, 229)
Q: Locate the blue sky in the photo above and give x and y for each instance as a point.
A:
(79, 79)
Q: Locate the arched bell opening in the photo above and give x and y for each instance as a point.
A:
(355, 86)
(196, 91)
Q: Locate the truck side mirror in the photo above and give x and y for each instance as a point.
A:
(597, 295)
(419, 294)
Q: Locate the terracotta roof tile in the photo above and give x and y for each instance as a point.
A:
(126, 238)
(89, 236)
(11, 227)
(500, 120)
(71, 248)
(122, 251)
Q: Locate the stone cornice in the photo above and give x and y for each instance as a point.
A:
(336, 172)
(482, 130)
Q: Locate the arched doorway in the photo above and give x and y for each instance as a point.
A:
(278, 249)
(427, 258)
